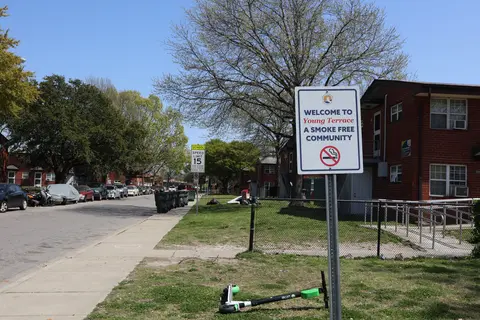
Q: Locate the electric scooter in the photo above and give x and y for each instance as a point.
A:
(228, 305)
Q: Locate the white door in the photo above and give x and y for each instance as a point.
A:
(361, 190)
(38, 179)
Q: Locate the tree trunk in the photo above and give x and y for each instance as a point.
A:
(278, 172)
(298, 181)
(61, 175)
(224, 186)
(3, 163)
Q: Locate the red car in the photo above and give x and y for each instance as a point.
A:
(86, 193)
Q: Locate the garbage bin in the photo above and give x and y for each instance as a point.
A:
(161, 201)
(169, 200)
(177, 199)
(191, 195)
(183, 198)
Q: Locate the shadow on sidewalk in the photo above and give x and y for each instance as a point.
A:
(115, 210)
(126, 210)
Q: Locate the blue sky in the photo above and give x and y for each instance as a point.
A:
(125, 40)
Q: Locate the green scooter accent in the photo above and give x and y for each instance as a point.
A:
(228, 305)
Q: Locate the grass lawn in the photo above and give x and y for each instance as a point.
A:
(275, 223)
(467, 234)
(371, 289)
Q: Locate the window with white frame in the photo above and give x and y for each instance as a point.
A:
(396, 173)
(444, 178)
(269, 169)
(267, 185)
(25, 175)
(37, 181)
(448, 114)
(396, 112)
(50, 176)
(11, 176)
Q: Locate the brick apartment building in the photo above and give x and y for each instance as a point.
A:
(421, 141)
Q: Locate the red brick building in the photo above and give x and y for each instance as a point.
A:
(266, 171)
(18, 172)
(421, 141)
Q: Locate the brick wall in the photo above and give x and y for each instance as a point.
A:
(442, 146)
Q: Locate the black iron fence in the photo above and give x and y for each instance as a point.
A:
(383, 228)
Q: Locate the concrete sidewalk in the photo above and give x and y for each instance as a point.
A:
(71, 287)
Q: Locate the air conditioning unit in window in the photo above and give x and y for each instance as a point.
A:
(460, 124)
(461, 191)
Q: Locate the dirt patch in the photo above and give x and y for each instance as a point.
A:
(202, 247)
(159, 263)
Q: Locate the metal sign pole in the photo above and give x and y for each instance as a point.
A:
(333, 252)
(197, 180)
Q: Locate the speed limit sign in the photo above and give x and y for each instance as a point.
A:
(198, 158)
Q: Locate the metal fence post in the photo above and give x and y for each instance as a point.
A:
(396, 216)
(365, 207)
(431, 220)
(407, 219)
(420, 224)
(461, 224)
(252, 227)
(386, 211)
(379, 228)
(444, 220)
(433, 235)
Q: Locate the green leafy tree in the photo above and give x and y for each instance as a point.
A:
(16, 86)
(70, 125)
(226, 161)
(245, 58)
(161, 151)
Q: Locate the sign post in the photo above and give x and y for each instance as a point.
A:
(329, 142)
(198, 166)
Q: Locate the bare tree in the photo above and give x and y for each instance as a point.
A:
(270, 137)
(245, 57)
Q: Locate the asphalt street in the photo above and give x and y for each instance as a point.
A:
(30, 238)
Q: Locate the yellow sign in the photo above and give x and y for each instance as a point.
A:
(198, 147)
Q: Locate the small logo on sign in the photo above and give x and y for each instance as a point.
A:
(327, 98)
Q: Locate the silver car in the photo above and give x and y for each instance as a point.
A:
(112, 192)
(123, 189)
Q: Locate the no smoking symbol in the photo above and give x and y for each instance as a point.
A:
(330, 156)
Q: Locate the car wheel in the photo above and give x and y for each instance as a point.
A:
(24, 205)
(3, 206)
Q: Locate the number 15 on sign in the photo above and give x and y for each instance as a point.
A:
(198, 158)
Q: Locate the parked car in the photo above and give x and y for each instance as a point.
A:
(63, 193)
(123, 189)
(132, 190)
(86, 193)
(112, 192)
(12, 196)
(99, 191)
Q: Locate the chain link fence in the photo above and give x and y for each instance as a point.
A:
(383, 228)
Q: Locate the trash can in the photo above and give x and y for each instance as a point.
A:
(177, 199)
(170, 200)
(191, 195)
(184, 198)
(161, 201)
